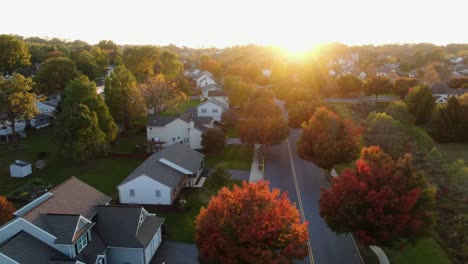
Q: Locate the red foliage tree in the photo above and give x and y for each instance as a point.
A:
(6, 210)
(382, 202)
(250, 224)
(327, 139)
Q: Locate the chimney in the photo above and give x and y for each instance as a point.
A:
(192, 123)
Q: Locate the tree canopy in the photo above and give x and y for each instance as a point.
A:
(250, 224)
(420, 102)
(54, 75)
(161, 94)
(403, 84)
(376, 85)
(6, 210)
(449, 122)
(140, 61)
(14, 54)
(349, 85)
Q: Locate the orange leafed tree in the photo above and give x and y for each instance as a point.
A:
(250, 224)
(6, 210)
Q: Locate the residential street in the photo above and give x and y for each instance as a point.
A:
(327, 247)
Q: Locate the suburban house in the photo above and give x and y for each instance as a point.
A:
(6, 132)
(219, 95)
(48, 107)
(159, 179)
(211, 108)
(210, 87)
(442, 92)
(187, 129)
(74, 223)
(204, 78)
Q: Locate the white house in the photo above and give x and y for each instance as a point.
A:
(212, 108)
(173, 129)
(48, 107)
(220, 96)
(457, 60)
(74, 223)
(6, 131)
(159, 179)
(204, 78)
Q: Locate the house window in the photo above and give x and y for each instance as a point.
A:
(186, 140)
(215, 110)
(178, 137)
(158, 193)
(81, 243)
(203, 110)
(132, 193)
(173, 139)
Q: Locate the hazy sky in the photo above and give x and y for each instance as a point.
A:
(292, 24)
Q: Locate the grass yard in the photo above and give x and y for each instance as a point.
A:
(181, 225)
(426, 251)
(454, 151)
(232, 132)
(102, 173)
(180, 108)
(232, 158)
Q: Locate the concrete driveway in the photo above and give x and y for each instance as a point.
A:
(170, 252)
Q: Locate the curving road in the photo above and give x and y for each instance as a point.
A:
(303, 180)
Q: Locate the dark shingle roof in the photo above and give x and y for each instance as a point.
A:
(160, 120)
(215, 102)
(177, 153)
(26, 249)
(443, 88)
(217, 93)
(125, 219)
(198, 121)
(60, 226)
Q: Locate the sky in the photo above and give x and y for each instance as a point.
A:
(295, 25)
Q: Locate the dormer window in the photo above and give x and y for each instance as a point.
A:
(81, 243)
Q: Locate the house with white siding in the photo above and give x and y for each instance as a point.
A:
(209, 88)
(204, 78)
(74, 223)
(212, 108)
(48, 107)
(186, 129)
(159, 179)
(220, 96)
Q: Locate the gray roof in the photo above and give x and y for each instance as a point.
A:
(125, 219)
(53, 102)
(177, 153)
(217, 93)
(61, 226)
(211, 86)
(214, 101)
(204, 72)
(154, 120)
(26, 249)
(94, 248)
(160, 121)
(443, 88)
(198, 121)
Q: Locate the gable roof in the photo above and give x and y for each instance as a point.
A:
(178, 154)
(207, 73)
(217, 93)
(211, 86)
(199, 122)
(126, 219)
(26, 249)
(154, 120)
(215, 102)
(72, 197)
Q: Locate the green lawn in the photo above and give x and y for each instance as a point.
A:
(232, 132)
(454, 151)
(101, 173)
(128, 144)
(425, 251)
(180, 108)
(232, 158)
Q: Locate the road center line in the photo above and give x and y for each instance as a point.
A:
(301, 208)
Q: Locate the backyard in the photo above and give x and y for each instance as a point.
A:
(180, 108)
(232, 158)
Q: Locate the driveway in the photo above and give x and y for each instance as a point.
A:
(170, 252)
(240, 175)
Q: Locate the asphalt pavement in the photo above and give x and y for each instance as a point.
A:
(303, 181)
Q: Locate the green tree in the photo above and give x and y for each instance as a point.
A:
(54, 75)
(301, 112)
(349, 85)
(14, 54)
(123, 97)
(219, 178)
(161, 94)
(238, 91)
(87, 64)
(140, 61)
(83, 91)
(420, 102)
(16, 100)
(171, 67)
(77, 133)
(265, 131)
(449, 122)
(213, 140)
(384, 131)
(377, 85)
(403, 84)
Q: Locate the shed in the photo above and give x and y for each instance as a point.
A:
(20, 169)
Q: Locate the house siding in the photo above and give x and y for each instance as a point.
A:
(125, 255)
(209, 107)
(145, 192)
(154, 244)
(204, 80)
(195, 138)
(178, 130)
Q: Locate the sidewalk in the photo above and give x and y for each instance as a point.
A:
(255, 173)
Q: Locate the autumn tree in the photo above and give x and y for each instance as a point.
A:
(213, 140)
(238, 91)
(382, 202)
(14, 54)
(420, 102)
(83, 91)
(140, 61)
(384, 131)
(6, 210)
(78, 134)
(449, 122)
(212, 66)
(16, 100)
(349, 85)
(403, 84)
(160, 93)
(327, 139)
(430, 75)
(123, 97)
(170, 66)
(265, 131)
(376, 85)
(54, 75)
(457, 82)
(301, 112)
(398, 110)
(250, 224)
